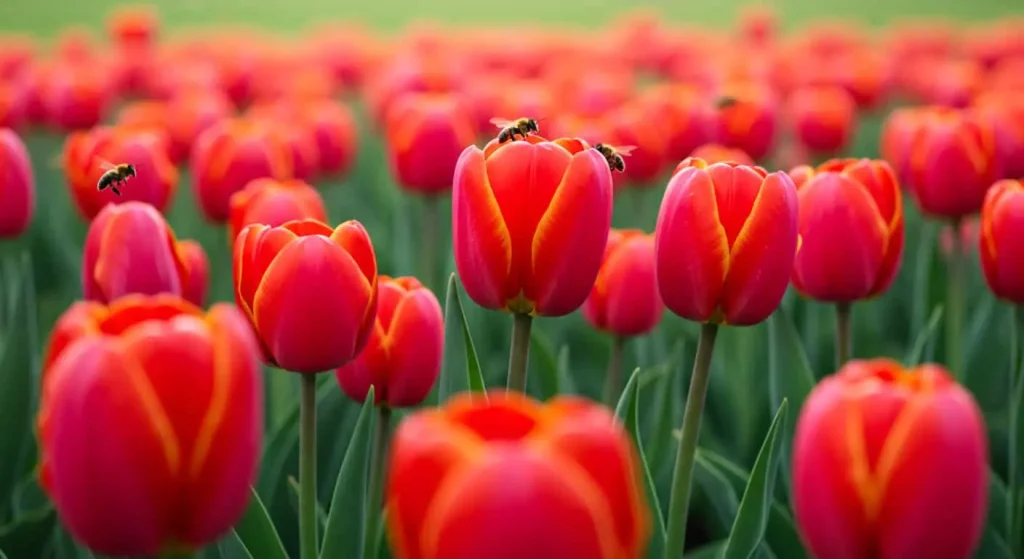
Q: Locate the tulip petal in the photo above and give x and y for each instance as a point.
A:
(352, 237)
(136, 255)
(416, 340)
(256, 249)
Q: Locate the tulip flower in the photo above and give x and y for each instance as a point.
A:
(683, 113)
(716, 153)
(507, 477)
(425, 134)
(189, 114)
(334, 129)
(17, 185)
(624, 301)
(130, 249)
(875, 450)
(1005, 115)
(12, 105)
(150, 425)
(77, 95)
(230, 154)
(302, 144)
(724, 248)
(87, 153)
(274, 203)
(824, 118)
(746, 119)
(521, 211)
(198, 266)
(1002, 255)
(898, 134)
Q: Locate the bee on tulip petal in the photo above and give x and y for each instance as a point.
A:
(509, 128)
(725, 101)
(614, 155)
(114, 175)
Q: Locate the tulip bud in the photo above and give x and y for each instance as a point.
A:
(511, 250)
(1002, 254)
(402, 359)
(309, 291)
(625, 299)
(12, 105)
(150, 424)
(507, 477)
(336, 135)
(889, 462)
(425, 134)
(898, 133)
(725, 242)
(851, 229)
(189, 114)
(284, 119)
(824, 118)
(17, 185)
(77, 95)
(130, 249)
(198, 266)
(274, 203)
(748, 120)
(684, 115)
(716, 153)
(229, 155)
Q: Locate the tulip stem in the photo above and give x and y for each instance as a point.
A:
(844, 335)
(955, 305)
(430, 228)
(520, 352)
(613, 380)
(682, 477)
(1014, 481)
(307, 468)
(378, 464)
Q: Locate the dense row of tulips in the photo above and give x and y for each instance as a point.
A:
(150, 426)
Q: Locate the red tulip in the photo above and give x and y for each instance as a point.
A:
(425, 135)
(402, 358)
(725, 242)
(77, 95)
(517, 222)
(285, 120)
(274, 203)
(198, 266)
(898, 134)
(309, 291)
(874, 456)
(683, 113)
(716, 153)
(189, 114)
(824, 118)
(747, 120)
(334, 129)
(17, 185)
(1002, 254)
(150, 425)
(625, 299)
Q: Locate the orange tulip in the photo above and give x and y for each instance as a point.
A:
(876, 450)
(274, 203)
(507, 477)
(748, 120)
(17, 185)
(229, 155)
(77, 95)
(13, 99)
(851, 227)
(1004, 114)
(824, 118)
(133, 27)
(198, 266)
(1002, 254)
(309, 291)
(685, 116)
(425, 135)
(402, 359)
(334, 129)
(725, 242)
(285, 120)
(523, 210)
(625, 299)
(130, 249)
(189, 113)
(716, 153)
(151, 423)
(898, 134)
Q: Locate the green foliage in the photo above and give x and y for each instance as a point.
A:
(343, 535)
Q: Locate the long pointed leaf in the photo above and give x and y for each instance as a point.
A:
(460, 370)
(752, 515)
(916, 351)
(789, 375)
(257, 532)
(564, 372)
(343, 535)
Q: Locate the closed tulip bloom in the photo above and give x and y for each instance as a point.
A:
(130, 249)
(284, 119)
(749, 121)
(17, 185)
(507, 477)
(624, 300)
(274, 203)
(530, 222)
(425, 135)
(824, 118)
(334, 129)
(309, 291)
(198, 266)
(402, 358)
(683, 114)
(1002, 254)
(890, 463)
(851, 229)
(716, 153)
(150, 424)
(77, 95)
(155, 180)
(189, 113)
(230, 154)
(952, 163)
(898, 133)
(725, 242)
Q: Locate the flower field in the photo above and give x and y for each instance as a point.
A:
(650, 287)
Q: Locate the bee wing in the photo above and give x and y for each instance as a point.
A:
(500, 122)
(624, 150)
(104, 164)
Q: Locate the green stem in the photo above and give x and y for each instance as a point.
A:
(1014, 510)
(844, 336)
(682, 477)
(520, 351)
(955, 305)
(307, 469)
(613, 380)
(378, 465)
(430, 227)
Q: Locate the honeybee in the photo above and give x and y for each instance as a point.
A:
(725, 101)
(509, 128)
(114, 175)
(614, 155)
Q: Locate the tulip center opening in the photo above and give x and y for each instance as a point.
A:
(497, 423)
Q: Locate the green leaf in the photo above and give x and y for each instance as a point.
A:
(343, 535)
(916, 351)
(30, 533)
(752, 516)
(992, 546)
(668, 407)
(627, 412)
(454, 378)
(712, 550)
(230, 547)
(564, 373)
(321, 515)
(257, 532)
(923, 262)
(998, 504)
(19, 353)
(283, 445)
(547, 385)
(1015, 450)
(717, 488)
(789, 375)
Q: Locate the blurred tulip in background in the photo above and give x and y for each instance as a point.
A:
(17, 185)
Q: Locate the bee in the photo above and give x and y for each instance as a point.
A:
(509, 128)
(614, 155)
(725, 101)
(114, 175)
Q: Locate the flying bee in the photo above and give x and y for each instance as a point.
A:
(114, 175)
(509, 128)
(725, 101)
(614, 155)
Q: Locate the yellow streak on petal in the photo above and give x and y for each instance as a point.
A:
(221, 378)
(157, 416)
